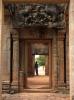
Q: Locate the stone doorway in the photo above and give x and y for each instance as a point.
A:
(57, 35)
(41, 48)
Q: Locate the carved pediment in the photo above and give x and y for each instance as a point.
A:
(51, 15)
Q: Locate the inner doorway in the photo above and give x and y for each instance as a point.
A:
(38, 52)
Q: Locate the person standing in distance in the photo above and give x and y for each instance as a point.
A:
(36, 68)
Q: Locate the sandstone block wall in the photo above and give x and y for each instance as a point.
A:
(0, 43)
(71, 47)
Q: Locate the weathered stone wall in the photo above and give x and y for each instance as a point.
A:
(71, 47)
(7, 30)
(34, 33)
(0, 44)
(5, 49)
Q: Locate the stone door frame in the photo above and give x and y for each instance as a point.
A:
(49, 43)
(1, 20)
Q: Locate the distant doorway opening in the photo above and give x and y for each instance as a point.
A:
(42, 64)
(40, 59)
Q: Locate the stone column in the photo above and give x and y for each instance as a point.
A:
(33, 64)
(54, 62)
(30, 61)
(50, 65)
(46, 66)
(15, 58)
(67, 49)
(67, 59)
(26, 65)
(71, 48)
(22, 63)
(60, 40)
(0, 45)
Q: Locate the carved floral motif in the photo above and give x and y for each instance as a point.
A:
(24, 14)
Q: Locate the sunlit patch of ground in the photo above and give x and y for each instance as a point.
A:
(41, 70)
(38, 82)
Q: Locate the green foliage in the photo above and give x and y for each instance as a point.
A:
(41, 60)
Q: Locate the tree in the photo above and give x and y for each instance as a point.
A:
(41, 60)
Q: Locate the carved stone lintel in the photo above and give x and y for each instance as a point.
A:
(37, 14)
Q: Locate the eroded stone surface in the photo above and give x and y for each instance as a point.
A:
(36, 96)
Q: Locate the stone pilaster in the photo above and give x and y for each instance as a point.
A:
(54, 62)
(33, 64)
(26, 65)
(15, 58)
(22, 63)
(30, 61)
(60, 42)
(67, 59)
(50, 64)
(67, 49)
(46, 66)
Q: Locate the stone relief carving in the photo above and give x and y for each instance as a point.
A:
(37, 15)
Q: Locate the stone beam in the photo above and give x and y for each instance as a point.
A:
(38, 1)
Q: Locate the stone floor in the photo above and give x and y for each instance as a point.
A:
(36, 96)
(38, 82)
(40, 91)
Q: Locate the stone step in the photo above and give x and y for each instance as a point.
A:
(39, 91)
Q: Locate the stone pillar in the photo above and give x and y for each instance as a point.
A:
(15, 58)
(67, 59)
(22, 63)
(0, 45)
(67, 48)
(21, 81)
(54, 62)
(60, 40)
(30, 61)
(26, 65)
(33, 64)
(46, 66)
(71, 48)
(50, 65)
